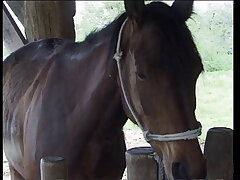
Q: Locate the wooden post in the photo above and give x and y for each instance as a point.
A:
(218, 151)
(53, 168)
(141, 164)
(48, 19)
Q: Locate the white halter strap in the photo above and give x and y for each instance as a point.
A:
(190, 134)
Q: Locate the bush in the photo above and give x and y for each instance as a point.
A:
(212, 32)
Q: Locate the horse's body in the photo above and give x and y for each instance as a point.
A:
(63, 99)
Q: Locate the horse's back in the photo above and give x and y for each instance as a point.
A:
(23, 66)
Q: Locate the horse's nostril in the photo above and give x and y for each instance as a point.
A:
(179, 171)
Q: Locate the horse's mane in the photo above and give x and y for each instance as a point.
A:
(113, 26)
(112, 30)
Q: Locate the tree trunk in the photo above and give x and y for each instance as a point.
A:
(47, 19)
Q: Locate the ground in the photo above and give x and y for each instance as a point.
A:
(134, 138)
(6, 174)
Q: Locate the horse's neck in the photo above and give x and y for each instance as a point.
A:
(100, 103)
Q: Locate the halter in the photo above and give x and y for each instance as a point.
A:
(190, 134)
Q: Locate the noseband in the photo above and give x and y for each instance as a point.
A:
(190, 134)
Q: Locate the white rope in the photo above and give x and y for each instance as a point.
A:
(190, 134)
(118, 56)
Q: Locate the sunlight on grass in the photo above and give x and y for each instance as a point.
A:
(214, 94)
(215, 100)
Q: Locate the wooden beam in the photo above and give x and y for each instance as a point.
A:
(15, 26)
(10, 37)
(18, 9)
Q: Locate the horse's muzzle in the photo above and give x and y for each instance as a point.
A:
(180, 170)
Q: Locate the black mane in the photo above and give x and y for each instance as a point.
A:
(111, 27)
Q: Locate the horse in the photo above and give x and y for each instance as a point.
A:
(72, 99)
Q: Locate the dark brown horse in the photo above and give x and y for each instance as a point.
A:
(67, 99)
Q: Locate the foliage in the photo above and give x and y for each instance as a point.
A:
(212, 30)
(95, 15)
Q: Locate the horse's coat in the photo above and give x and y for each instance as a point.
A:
(63, 98)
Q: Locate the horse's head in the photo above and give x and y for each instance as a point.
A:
(158, 70)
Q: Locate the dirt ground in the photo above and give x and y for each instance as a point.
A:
(133, 138)
(6, 175)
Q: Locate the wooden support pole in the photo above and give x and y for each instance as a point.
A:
(141, 164)
(218, 151)
(49, 19)
(53, 168)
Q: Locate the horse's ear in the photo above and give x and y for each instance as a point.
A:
(183, 8)
(134, 9)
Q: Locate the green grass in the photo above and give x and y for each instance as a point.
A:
(214, 101)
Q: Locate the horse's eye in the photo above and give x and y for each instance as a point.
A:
(141, 76)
